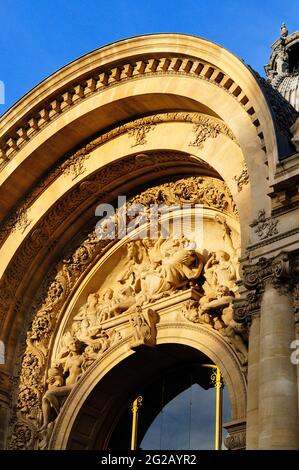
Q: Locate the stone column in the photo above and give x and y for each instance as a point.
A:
(276, 379)
(247, 311)
(278, 413)
(296, 309)
(252, 428)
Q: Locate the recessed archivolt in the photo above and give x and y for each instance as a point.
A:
(86, 193)
(204, 128)
(16, 138)
(42, 235)
(47, 310)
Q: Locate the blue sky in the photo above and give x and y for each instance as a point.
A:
(37, 37)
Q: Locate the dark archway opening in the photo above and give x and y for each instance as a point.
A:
(177, 411)
(105, 419)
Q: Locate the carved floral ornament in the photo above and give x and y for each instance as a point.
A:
(16, 138)
(242, 179)
(153, 270)
(282, 271)
(264, 226)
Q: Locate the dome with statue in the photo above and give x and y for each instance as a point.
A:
(283, 66)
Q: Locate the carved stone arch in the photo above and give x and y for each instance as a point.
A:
(201, 76)
(217, 123)
(50, 318)
(76, 207)
(81, 404)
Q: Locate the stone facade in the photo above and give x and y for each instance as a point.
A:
(166, 119)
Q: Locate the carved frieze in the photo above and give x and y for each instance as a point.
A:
(236, 441)
(208, 191)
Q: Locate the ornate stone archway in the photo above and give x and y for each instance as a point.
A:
(86, 269)
(134, 115)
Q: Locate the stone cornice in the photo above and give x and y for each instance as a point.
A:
(17, 136)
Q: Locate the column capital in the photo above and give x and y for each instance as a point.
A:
(279, 270)
(245, 310)
(282, 271)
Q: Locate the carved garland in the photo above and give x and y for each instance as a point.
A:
(208, 191)
(242, 179)
(16, 138)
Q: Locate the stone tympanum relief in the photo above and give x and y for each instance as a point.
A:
(152, 270)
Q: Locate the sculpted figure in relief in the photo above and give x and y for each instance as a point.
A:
(153, 269)
(219, 271)
(220, 314)
(167, 267)
(61, 379)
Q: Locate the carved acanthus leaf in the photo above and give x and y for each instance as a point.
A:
(139, 132)
(280, 270)
(236, 441)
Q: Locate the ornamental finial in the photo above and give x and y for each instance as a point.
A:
(283, 31)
